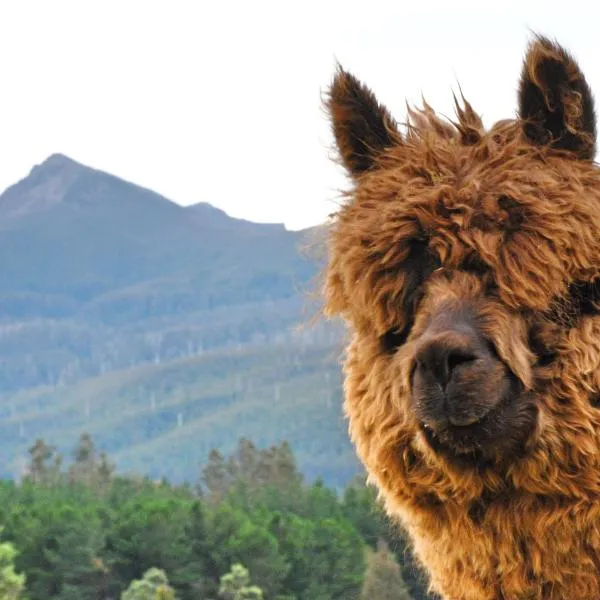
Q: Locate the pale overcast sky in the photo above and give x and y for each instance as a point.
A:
(220, 101)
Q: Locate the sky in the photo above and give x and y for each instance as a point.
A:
(220, 101)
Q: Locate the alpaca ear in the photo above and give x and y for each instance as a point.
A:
(555, 101)
(361, 126)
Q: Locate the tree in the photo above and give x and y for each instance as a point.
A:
(151, 529)
(383, 578)
(215, 477)
(11, 584)
(326, 557)
(45, 464)
(154, 585)
(235, 538)
(105, 470)
(74, 553)
(367, 515)
(88, 467)
(253, 476)
(360, 505)
(199, 576)
(236, 585)
(83, 468)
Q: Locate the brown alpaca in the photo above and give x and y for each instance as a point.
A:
(466, 262)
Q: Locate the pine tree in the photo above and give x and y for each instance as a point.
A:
(216, 479)
(383, 578)
(89, 468)
(45, 464)
(83, 470)
(104, 470)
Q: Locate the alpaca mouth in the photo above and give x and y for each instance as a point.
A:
(459, 439)
(499, 431)
(451, 428)
(458, 426)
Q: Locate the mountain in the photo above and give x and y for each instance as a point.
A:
(161, 329)
(218, 219)
(65, 218)
(89, 263)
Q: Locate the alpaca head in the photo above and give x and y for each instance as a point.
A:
(466, 262)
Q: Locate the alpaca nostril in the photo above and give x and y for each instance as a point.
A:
(439, 361)
(457, 358)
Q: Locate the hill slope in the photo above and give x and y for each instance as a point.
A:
(98, 274)
(163, 330)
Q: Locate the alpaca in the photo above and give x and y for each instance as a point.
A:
(466, 263)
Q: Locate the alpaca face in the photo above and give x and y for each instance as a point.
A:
(467, 400)
(466, 262)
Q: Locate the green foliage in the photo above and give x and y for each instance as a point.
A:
(59, 533)
(11, 583)
(79, 538)
(239, 536)
(154, 585)
(235, 585)
(326, 557)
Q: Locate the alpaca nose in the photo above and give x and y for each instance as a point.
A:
(457, 376)
(441, 357)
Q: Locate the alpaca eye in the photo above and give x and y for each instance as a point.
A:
(514, 213)
(419, 264)
(545, 357)
(595, 400)
(473, 264)
(394, 338)
(584, 297)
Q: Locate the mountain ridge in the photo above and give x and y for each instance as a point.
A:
(105, 281)
(67, 170)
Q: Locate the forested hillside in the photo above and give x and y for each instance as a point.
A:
(97, 274)
(163, 330)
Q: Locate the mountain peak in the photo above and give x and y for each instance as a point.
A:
(58, 159)
(46, 185)
(60, 182)
(53, 165)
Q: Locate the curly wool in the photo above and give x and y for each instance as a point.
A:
(511, 224)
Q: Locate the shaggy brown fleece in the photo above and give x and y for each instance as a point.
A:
(466, 263)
